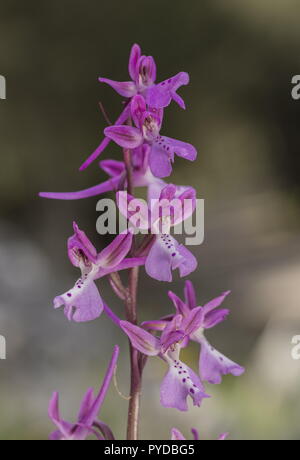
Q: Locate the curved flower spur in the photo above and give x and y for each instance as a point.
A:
(141, 177)
(87, 422)
(142, 70)
(165, 254)
(83, 302)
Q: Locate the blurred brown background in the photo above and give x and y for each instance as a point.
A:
(241, 57)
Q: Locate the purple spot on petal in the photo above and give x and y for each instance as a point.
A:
(69, 295)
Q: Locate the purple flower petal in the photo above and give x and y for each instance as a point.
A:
(176, 435)
(215, 303)
(134, 57)
(161, 95)
(116, 251)
(125, 136)
(137, 107)
(112, 167)
(86, 404)
(81, 251)
(64, 428)
(213, 365)
(147, 72)
(160, 162)
(192, 321)
(163, 258)
(124, 88)
(141, 339)
(190, 295)
(180, 306)
(179, 383)
(214, 317)
(83, 302)
(189, 262)
(223, 436)
(195, 434)
(182, 149)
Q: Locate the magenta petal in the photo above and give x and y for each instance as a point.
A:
(125, 136)
(182, 149)
(80, 249)
(82, 303)
(147, 71)
(181, 307)
(124, 88)
(195, 434)
(215, 317)
(142, 340)
(124, 265)
(64, 428)
(189, 262)
(116, 251)
(158, 264)
(86, 404)
(179, 383)
(213, 365)
(190, 295)
(215, 303)
(53, 409)
(223, 436)
(138, 107)
(112, 167)
(193, 321)
(159, 162)
(176, 435)
(134, 57)
(162, 94)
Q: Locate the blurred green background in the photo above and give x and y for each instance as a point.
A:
(241, 57)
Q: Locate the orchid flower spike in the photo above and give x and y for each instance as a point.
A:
(180, 381)
(176, 435)
(159, 216)
(83, 302)
(162, 149)
(87, 422)
(212, 364)
(142, 71)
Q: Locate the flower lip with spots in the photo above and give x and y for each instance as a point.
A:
(180, 381)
